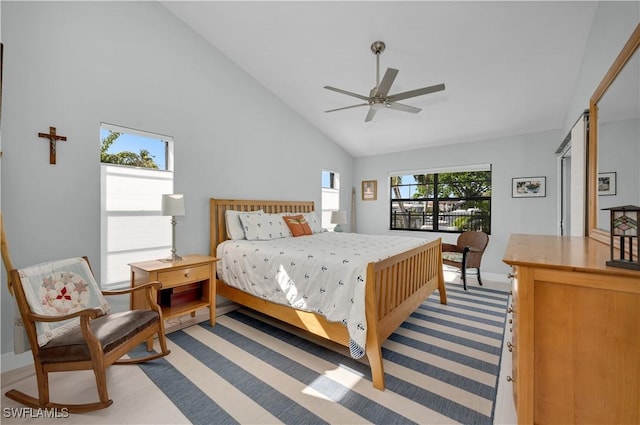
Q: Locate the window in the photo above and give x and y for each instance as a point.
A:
(330, 196)
(136, 170)
(442, 200)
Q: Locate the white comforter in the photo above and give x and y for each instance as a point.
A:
(323, 273)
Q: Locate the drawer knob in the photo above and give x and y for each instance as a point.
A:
(510, 346)
(510, 379)
(187, 275)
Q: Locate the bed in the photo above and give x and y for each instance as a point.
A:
(393, 287)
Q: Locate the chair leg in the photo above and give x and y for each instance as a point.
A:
(479, 280)
(42, 378)
(101, 382)
(161, 338)
(464, 277)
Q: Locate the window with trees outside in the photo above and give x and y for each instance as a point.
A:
(442, 201)
(136, 169)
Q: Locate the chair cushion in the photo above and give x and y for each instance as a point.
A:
(455, 257)
(112, 330)
(57, 288)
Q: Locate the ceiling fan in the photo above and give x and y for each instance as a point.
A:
(379, 95)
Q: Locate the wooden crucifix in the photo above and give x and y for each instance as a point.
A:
(53, 139)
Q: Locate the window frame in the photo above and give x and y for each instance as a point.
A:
(439, 222)
(330, 197)
(142, 221)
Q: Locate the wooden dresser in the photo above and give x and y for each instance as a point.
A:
(576, 333)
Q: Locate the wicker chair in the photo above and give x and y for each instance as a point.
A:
(466, 253)
(97, 338)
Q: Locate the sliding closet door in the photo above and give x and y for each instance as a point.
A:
(572, 180)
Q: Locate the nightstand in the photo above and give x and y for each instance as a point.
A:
(187, 285)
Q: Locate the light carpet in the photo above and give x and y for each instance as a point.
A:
(441, 366)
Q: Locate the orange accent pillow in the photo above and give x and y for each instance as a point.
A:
(298, 225)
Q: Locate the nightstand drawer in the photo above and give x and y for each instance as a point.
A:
(184, 275)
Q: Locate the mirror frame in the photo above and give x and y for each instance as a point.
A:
(592, 153)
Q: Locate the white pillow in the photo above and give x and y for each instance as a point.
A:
(264, 227)
(314, 221)
(234, 225)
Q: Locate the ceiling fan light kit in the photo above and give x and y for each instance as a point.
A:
(379, 97)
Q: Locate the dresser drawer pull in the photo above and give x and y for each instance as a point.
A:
(187, 275)
(510, 379)
(510, 346)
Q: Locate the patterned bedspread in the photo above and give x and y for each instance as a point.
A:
(324, 273)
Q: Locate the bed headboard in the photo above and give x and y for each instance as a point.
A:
(217, 207)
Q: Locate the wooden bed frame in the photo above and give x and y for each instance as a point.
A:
(395, 286)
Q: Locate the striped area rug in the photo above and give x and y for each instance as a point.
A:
(441, 366)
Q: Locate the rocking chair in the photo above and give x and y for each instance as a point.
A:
(69, 327)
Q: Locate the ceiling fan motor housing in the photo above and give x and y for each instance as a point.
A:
(377, 47)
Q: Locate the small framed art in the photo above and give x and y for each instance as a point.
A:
(607, 183)
(369, 190)
(529, 187)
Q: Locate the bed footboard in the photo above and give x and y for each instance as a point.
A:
(396, 286)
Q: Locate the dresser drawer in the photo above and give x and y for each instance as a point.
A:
(184, 275)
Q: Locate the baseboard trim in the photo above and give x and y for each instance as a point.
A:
(16, 367)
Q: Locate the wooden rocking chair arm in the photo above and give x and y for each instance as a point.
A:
(92, 313)
(154, 284)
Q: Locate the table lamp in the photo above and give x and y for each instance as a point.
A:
(338, 218)
(173, 205)
(624, 226)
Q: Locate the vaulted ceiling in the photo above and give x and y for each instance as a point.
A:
(509, 67)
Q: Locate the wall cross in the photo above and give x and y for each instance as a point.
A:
(53, 139)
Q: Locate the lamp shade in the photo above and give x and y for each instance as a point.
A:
(173, 204)
(338, 217)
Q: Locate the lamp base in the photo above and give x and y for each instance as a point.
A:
(171, 259)
(174, 257)
(625, 264)
(338, 228)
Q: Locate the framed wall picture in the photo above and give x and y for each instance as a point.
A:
(369, 190)
(607, 183)
(529, 187)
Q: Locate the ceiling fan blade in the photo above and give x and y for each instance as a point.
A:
(387, 81)
(348, 93)
(404, 108)
(370, 115)
(347, 107)
(416, 92)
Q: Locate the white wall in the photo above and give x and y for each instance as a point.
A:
(73, 65)
(613, 23)
(528, 155)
